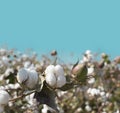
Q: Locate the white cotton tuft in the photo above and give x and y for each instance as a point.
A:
(22, 75)
(88, 108)
(32, 79)
(91, 81)
(3, 51)
(5, 60)
(4, 97)
(55, 76)
(51, 79)
(90, 70)
(50, 69)
(59, 70)
(61, 80)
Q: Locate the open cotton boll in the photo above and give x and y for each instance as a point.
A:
(51, 79)
(32, 79)
(55, 76)
(91, 80)
(8, 71)
(25, 57)
(50, 69)
(59, 70)
(3, 52)
(27, 64)
(5, 60)
(90, 70)
(22, 75)
(4, 97)
(61, 80)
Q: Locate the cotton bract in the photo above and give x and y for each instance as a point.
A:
(28, 77)
(55, 76)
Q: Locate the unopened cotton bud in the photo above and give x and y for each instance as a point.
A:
(117, 59)
(51, 79)
(22, 75)
(104, 55)
(61, 80)
(4, 97)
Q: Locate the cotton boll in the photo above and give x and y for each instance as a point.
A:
(4, 97)
(55, 76)
(50, 69)
(32, 80)
(91, 81)
(88, 52)
(27, 64)
(88, 108)
(51, 79)
(61, 80)
(22, 75)
(25, 57)
(5, 60)
(45, 109)
(8, 71)
(90, 70)
(59, 70)
(3, 51)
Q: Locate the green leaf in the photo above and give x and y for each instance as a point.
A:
(82, 73)
(46, 96)
(11, 78)
(67, 86)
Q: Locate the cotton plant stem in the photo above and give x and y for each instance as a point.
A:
(21, 96)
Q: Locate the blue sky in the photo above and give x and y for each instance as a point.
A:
(65, 25)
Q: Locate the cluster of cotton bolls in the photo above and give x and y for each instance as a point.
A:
(17, 68)
(98, 92)
(23, 74)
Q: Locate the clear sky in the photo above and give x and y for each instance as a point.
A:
(65, 25)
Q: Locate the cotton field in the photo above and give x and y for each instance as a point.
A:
(29, 84)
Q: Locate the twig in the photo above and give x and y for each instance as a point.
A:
(21, 96)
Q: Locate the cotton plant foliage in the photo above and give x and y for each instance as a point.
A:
(29, 84)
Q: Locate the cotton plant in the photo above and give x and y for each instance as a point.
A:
(47, 85)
